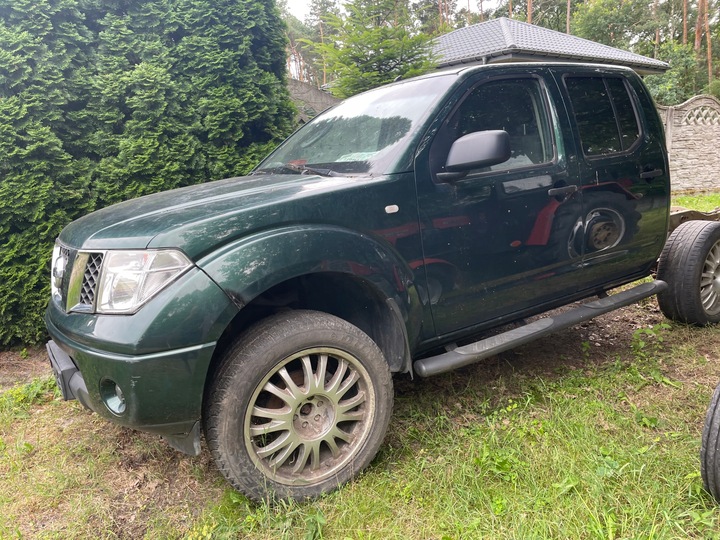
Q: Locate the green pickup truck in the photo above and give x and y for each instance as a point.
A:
(411, 229)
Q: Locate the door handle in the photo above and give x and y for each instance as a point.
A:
(654, 173)
(565, 190)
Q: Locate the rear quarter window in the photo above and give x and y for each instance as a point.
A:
(604, 113)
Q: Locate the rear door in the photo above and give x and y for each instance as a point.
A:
(623, 173)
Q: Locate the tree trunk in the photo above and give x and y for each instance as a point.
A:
(510, 9)
(708, 38)
(322, 40)
(657, 29)
(529, 11)
(302, 69)
(567, 18)
(685, 14)
(444, 13)
(294, 60)
(698, 27)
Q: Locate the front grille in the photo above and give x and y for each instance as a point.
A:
(90, 279)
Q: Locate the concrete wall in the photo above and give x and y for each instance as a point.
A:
(692, 131)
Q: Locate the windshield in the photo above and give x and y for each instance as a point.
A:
(364, 134)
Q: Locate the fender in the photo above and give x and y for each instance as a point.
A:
(249, 266)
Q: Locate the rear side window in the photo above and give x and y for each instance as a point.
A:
(604, 113)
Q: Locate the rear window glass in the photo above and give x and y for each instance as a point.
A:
(604, 114)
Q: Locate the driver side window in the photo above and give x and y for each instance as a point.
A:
(512, 105)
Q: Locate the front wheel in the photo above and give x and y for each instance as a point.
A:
(300, 406)
(690, 264)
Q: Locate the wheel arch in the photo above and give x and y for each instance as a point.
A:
(333, 270)
(345, 296)
(609, 187)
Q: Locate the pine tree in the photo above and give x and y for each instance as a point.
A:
(374, 44)
(104, 100)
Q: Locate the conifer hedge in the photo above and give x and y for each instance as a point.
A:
(105, 100)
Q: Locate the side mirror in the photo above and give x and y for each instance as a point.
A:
(474, 151)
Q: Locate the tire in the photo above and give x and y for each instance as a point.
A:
(710, 447)
(609, 220)
(690, 265)
(567, 220)
(300, 405)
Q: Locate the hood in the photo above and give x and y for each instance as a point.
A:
(198, 218)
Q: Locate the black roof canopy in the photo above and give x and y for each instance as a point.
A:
(508, 40)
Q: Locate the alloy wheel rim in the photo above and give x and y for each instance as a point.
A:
(309, 416)
(710, 281)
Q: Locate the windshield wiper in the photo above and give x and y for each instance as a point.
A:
(295, 168)
(304, 169)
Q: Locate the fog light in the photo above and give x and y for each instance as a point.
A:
(112, 395)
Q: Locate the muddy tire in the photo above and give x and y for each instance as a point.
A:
(710, 448)
(299, 406)
(690, 264)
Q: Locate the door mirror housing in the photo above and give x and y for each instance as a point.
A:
(474, 151)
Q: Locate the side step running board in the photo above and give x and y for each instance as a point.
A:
(469, 354)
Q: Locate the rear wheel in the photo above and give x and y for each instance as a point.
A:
(605, 228)
(300, 406)
(690, 264)
(609, 219)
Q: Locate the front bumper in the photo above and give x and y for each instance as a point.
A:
(183, 435)
(146, 371)
(162, 393)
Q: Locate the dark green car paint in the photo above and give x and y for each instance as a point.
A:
(445, 259)
(498, 279)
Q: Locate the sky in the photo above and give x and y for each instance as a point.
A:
(299, 8)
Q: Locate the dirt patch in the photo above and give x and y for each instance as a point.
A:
(21, 366)
(127, 480)
(149, 475)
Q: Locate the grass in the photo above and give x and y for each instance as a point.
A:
(560, 439)
(593, 433)
(701, 202)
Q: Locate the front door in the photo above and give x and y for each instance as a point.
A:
(495, 240)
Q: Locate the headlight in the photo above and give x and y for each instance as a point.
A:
(128, 279)
(57, 271)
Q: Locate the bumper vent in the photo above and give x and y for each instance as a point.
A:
(90, 279)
